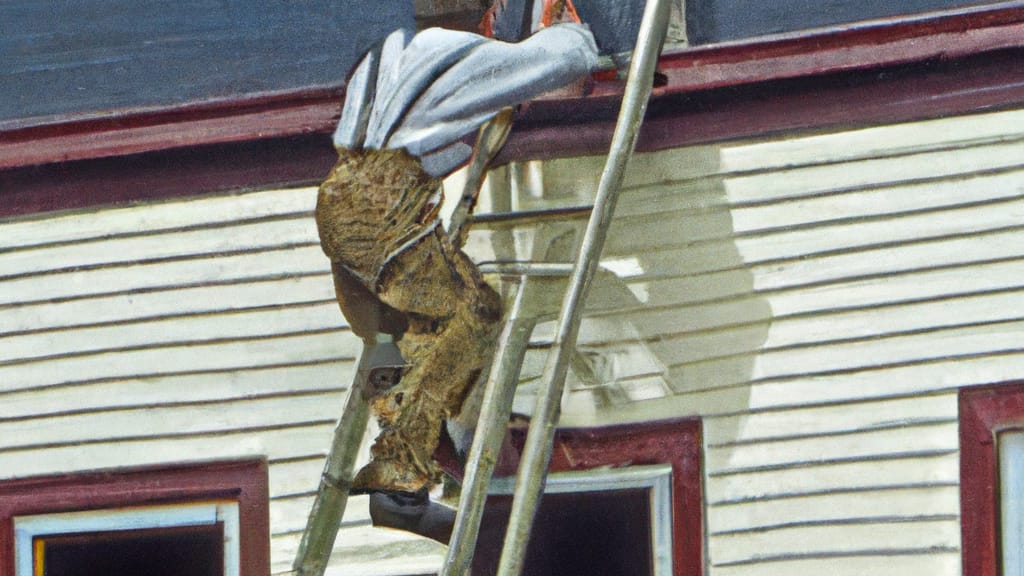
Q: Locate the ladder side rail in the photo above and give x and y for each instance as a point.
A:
(332, 496)
(492, 426)
(536, 457)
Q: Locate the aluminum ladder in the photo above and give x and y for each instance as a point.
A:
(332, 496)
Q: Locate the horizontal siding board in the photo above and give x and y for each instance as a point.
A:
(937, 562)
(238, 325)
(169, 302)
(222, 386)
(818, 179)
(894, 350)
(887, 260)
(893, 319)
(858, 355)
(677, 245)
(274, 444)
(288, 515)
(836, 507)
(366, 551)
(299, 231)
(232, 355)
(999, 189)
(925, 377)
(295, 477)
(163, 275)
(854, 476)
(172, 420)
(693, 168)
(713, 331)
(836, 539)
(813, 451)
(156, 217)
(847, 145)
(947, 374)
(943, 283)
(815, 420)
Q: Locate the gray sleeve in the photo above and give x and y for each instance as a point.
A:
(425, 95)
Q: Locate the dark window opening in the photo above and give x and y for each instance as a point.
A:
(180, 551)
(606, 533)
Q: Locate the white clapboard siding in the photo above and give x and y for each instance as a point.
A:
(248, 294)
(197, 419)
(187, 356)
(182, 331)
(366, 551)
(301, 439)
(872, 142)
(212, 386)
(829, 419)
(296, 319)
(165, 245)
(823, 508)
(857, 563)
(129, 277)
(908, 470)
(841, 539)
(156, 217)
(818, 301)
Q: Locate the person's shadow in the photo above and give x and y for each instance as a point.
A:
(672, 324)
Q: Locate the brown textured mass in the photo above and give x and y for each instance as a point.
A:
(397, 272)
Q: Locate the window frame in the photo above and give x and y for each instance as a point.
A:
(676, 442)
(166, 516)
(655, 478)
(242, 482)
(984, 413)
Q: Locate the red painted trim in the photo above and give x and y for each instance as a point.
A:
(126, 132)
(675, 442)
(885, 72)
(983, 412)
(859, 47)
(167, 174)
(859, 98)
(243, 481)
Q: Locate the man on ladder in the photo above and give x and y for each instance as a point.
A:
(401, 281)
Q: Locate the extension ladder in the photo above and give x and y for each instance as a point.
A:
(329, 506)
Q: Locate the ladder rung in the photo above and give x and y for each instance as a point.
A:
(520, 268)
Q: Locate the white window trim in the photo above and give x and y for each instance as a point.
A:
(657, 478)
(136, 518)
(1010, 451)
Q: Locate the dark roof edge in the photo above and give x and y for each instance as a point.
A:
(878, 72)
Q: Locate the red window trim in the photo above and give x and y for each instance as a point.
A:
(241, 481)
(885, 71)
(676, 442)
(984, 411)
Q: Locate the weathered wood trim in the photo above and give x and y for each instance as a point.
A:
(983, 411)
(242, 481)
(124, 132)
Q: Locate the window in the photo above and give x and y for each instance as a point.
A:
(1010, 446)
(176, 540)
(606, 521)
(992, 479)
(619, 500)
(196, 520)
